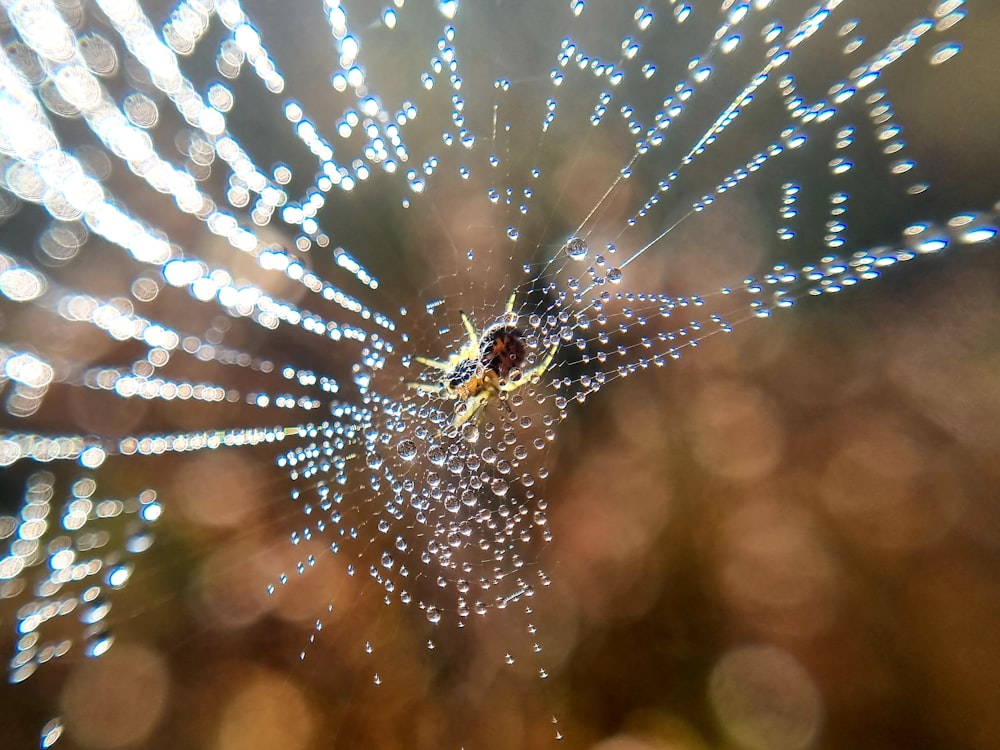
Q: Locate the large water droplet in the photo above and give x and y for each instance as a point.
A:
(406, 449)
(576, 248)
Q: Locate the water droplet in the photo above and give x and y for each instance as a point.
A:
(944, 52)
(406, 449)
(98, 644)
(448, 8)
(576, 248)
(51, 732)
(119, 575)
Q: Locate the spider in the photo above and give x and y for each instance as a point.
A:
(485, 366)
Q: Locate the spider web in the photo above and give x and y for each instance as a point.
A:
(228, 227)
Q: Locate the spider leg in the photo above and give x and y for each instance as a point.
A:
(509, 308)
(470, 327)
(508, 311)
(426, 387)
(473, 406)
(534, 372)
(546, 361)
(437, 364)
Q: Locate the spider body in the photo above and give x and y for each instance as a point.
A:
(486, 365)
(502, 349)
(464, 380)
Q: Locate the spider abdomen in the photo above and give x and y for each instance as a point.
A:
(502, 349)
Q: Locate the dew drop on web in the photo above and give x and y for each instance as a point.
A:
(576, 248)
